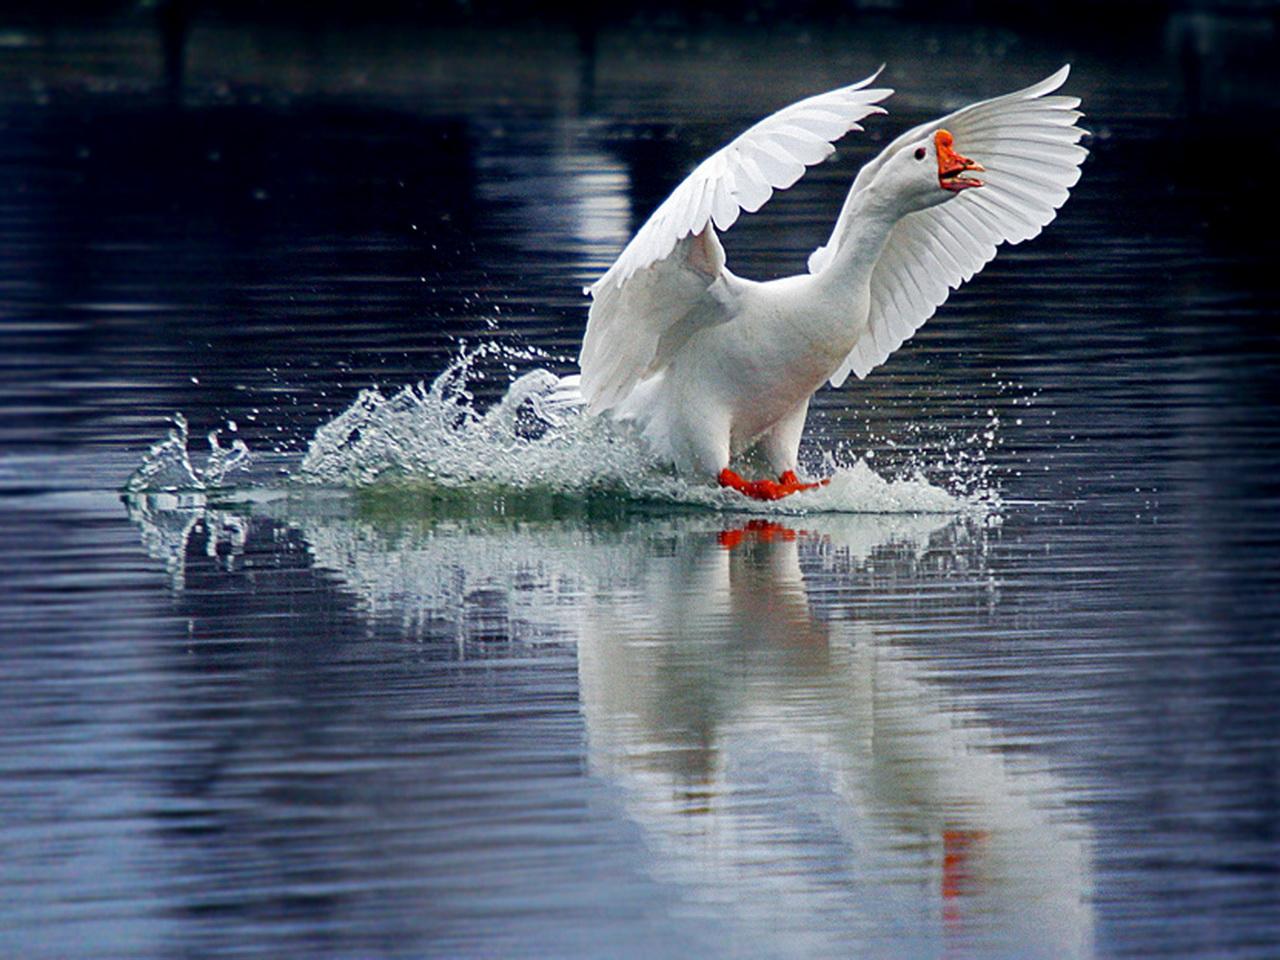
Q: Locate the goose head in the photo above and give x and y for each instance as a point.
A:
(928, 172)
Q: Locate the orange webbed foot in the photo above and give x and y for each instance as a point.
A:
(790, 479)
(784, 486)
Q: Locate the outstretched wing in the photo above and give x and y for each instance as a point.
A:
(664, 284)
(1029, 144)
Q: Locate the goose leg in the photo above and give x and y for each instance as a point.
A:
(781, 446)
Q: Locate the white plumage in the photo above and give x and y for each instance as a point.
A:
(706, 364)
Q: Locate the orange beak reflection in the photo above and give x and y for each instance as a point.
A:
(952, 166)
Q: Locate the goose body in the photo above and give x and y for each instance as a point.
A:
(705, 364)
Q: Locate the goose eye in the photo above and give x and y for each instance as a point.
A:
(919, 153)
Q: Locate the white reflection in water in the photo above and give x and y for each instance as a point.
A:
(798, 770)
(576, 190)
(785, 765)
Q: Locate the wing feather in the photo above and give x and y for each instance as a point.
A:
(724, 205)
(659, 287)
(1029, 143)
(753, 189)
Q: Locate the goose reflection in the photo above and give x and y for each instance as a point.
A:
(789, 764)
(765, 701)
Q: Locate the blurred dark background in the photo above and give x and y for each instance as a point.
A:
(1223, 48)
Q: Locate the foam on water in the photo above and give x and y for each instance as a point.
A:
(436, 438)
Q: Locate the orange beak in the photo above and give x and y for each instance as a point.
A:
(951, 165)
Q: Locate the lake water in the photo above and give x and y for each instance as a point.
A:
(1026, 707)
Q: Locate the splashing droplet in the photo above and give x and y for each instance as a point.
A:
(167, 464)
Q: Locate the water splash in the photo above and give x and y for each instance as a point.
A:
(167, 465)
(439, 441)
(435, 437)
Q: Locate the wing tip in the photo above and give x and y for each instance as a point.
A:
(869, 80)
(1053, 81)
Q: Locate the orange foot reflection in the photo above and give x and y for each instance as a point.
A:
(959, 847)
(784, 486)
(765, 531)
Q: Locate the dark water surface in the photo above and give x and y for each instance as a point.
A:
(281, 722)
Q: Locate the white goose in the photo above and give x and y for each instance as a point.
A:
(706, 364)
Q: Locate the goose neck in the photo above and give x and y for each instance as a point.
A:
(873, 214)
